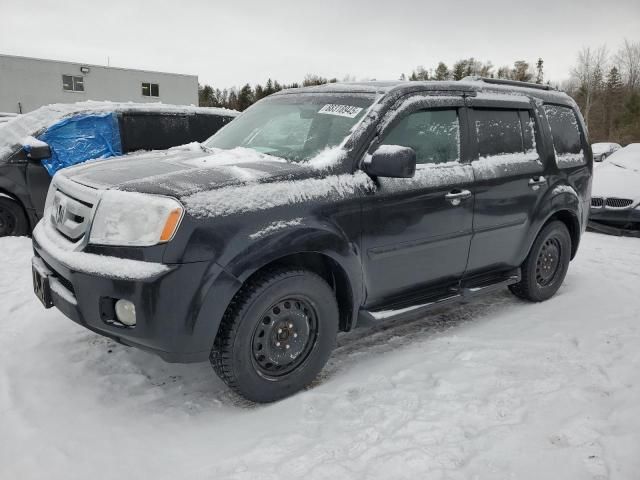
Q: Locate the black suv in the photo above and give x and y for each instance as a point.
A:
(35, 145)
(313, 209)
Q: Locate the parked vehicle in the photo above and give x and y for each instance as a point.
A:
(314, 208)
(615, 202)
(35, 145)
(603, 149)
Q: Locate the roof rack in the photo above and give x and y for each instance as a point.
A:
(513, 83)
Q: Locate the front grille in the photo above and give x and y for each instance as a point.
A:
(618, 202)
(71, 208)
(597, 202)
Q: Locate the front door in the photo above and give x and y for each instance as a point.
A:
(417, 231)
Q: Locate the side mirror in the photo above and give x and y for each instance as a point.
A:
(38, 151)
(391, 161)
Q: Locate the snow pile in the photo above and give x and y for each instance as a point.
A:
(262, 196)
(328, 158)
(496, 389)
(111, 267)
(275, 226)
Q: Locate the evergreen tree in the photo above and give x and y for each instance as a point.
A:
(442, 72)
(539, 71)
(459, 69)
(245, 97)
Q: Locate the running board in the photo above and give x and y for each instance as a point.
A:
(467, 292)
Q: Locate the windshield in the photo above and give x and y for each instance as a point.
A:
(628, 157)
(295, 127)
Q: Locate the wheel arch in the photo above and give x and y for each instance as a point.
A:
(571, 221)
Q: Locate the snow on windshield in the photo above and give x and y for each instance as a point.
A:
(296, 127)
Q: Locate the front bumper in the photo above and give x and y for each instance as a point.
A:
(178, 311)
(615, 221)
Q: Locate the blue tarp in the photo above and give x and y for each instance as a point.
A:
(80, 138)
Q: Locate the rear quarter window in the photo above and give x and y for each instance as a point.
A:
(565, 131)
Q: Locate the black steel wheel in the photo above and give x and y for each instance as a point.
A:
(285, 336)
(546, 266)
(276, 335)
(548, 261)
(13, 221)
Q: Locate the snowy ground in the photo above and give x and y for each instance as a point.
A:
(495, 389)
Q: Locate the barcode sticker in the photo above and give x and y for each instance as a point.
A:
(340, 110)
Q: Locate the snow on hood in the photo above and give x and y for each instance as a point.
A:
(32, 123)
(613, 181)
(184, 170)
(627, 158)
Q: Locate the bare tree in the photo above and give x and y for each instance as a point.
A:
(628, 59)
(588, 75)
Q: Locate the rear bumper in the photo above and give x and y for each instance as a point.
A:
(178, 311)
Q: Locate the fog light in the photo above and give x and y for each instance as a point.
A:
(126, 312)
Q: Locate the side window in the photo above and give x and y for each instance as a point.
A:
(564, 129)
(151, 131)
(498, 132)
(433, 134)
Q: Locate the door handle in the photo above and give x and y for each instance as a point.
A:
(536, 182)
(455, 197)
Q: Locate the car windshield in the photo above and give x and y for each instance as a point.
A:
(295, 127)
(628, 157)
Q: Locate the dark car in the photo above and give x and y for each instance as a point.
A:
(35, 145)
(315, 208)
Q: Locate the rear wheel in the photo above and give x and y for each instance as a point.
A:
(546, 265)
(276, 335)
(13, 221)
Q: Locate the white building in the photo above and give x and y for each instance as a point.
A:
(28, 83)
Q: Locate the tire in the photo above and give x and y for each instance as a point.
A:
(13, 221)
(545, 267)
(276, 335)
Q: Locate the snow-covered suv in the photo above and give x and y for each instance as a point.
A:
(315, 208)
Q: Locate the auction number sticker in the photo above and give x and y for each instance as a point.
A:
(340, 110)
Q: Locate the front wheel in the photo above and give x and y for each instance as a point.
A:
(276, 335)
(545, 267)
(13, 221)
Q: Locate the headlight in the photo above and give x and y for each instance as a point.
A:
(135, 219)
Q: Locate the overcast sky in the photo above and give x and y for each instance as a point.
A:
(231, 43)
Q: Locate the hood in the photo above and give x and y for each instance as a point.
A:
(610, 180)
(184, 170)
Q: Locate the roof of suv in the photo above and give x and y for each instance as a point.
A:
(468, 85)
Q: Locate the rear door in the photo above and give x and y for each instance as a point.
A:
(509, 183)
(417, 231)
